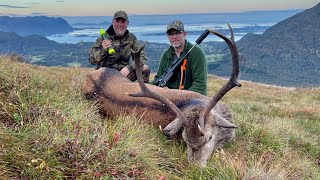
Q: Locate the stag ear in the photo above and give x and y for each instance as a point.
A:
(172, 128)
(222, 122)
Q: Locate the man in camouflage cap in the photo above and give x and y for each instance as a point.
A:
(175, 25)
(195, 72)
(122, 41)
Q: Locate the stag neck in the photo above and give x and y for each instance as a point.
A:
(146, 92)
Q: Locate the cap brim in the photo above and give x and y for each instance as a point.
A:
(120, 17)
(174, 29)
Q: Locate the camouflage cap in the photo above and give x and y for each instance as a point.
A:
(121, 14)
(176, 25)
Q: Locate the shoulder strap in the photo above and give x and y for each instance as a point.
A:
(183, 74)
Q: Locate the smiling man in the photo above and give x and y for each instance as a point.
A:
(193, 72)
(122, 41)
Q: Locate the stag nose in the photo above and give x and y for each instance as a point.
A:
(166, 132)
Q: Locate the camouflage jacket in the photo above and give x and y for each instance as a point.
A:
(122, 46)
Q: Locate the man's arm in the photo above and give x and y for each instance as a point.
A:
(96, 52)
(199, 70)
(161, 69)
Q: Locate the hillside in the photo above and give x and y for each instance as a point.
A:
(285, 54)
(49, 131)
(40, 25)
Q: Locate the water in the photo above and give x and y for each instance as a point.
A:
(156, 33)
(152, 28)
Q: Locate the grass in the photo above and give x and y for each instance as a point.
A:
(48, 131)
(37, 58)
(214, 58)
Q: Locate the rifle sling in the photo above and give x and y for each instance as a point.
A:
(183, 73)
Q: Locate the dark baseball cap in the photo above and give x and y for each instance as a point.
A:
(121, 14)
(175, 25)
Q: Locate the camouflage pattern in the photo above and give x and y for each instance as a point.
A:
(176, 25)
(122, 56)
(145, 74)
(121, 14)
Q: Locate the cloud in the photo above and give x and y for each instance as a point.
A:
(13, 7)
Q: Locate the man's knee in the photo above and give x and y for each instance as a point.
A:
(145, 73)
(132, 76)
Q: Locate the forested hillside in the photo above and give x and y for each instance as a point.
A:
(286, 54)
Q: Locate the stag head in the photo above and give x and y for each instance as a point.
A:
(207, 125)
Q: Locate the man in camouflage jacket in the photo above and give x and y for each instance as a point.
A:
(122, 41)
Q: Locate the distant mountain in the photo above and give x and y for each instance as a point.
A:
(287, 53)
(40, 25)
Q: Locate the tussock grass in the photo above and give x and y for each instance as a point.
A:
(49, 131)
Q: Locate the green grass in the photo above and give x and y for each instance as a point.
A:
(49, 131)
(74, 64)
(214, 58)
(37, 58)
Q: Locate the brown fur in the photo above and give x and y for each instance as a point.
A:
(110, 88)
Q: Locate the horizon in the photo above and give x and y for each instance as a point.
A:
(144, 7)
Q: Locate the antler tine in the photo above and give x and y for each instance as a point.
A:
(233, 81)
(146, 92)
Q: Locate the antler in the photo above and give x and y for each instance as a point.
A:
(234, 76)
(146, 92)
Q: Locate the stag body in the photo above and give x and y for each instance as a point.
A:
(206, 124)
(111, 89)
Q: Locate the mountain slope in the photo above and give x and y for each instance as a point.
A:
(285, 54)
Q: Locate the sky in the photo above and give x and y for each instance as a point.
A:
(108, 7)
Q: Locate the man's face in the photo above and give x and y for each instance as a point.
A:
(176, 38)
(120, 26)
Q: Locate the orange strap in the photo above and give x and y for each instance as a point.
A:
(183, 74)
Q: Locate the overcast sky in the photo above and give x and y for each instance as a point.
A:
(108, 7)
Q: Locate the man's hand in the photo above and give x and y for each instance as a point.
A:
(125, 71)
(106, 43)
